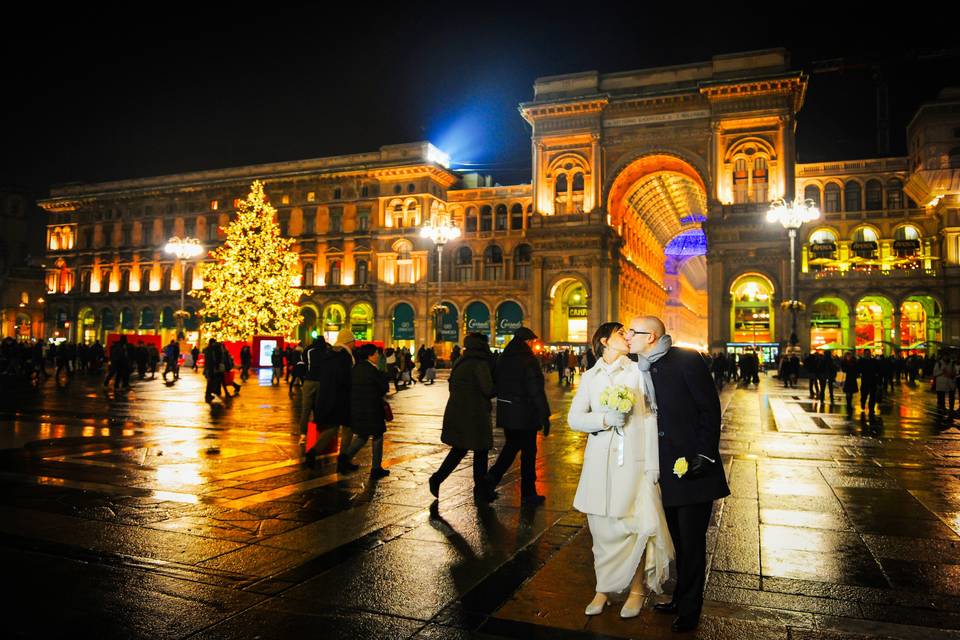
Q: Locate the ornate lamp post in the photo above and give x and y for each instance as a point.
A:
(440, 230)
(792, 215)
(183, 249)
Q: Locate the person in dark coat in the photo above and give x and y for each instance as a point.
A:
(326, 392)
(171, 358)
(246, 361)
(368, 386)
(214, 366)
(869, 379)
(522, 410)
(849, 367)
(678, 385)
(466, 418)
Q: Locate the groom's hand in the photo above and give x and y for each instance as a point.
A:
(697, 466)
(614, 419)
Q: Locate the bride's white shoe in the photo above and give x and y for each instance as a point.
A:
(633, 605)
(597, 604)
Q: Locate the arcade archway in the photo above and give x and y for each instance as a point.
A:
(874, 327)
(569, 311)
(829, 324)
(658, 203)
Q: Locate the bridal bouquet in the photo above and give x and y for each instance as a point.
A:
(617, 397)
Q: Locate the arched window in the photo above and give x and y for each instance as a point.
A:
(865, 243)
(874, 195)
(894, 194)
(851, 196)
(831, 198)
(560, 188)
(516, 217)
(812, 192)
(493, 263)
(578, 181)
(486, 218)
(145, 279)
(741, 181)
(362, 271)
(760, 180)
(334, 272)
(471, 220)
(405, 273)
(501, 219)
(464, 265)
(823, 246)
(906, 241)
(522, 257)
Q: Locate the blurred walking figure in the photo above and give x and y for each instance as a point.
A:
(246, 360)
(522, 410)
(214, 366)
(171, 357)
(850, 371)
(326, 393)
(945, 383)
(120, 364)
(195, 355)
(867, 368)
(368, 386)
(276, 361)
(466, 418)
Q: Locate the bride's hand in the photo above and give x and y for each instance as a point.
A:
(614, 419)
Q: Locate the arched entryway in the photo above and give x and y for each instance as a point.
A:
(87, 325)
(403, 327)
(921, 324)
(570, 311)
(829, 324)
(361, 321)
(334, 320)
(753, 316)
(874, 325)
(476, 318)
(509, 318)
(658, 204)
(307, 332)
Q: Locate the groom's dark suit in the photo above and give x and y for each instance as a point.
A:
(688, 421)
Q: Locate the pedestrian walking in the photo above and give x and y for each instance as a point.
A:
(214, 366)
(171, 357)
(326, 394)
(276, 361)
(850, 372)
(120, 365)
(466, 417)
(522, 411)
(945, 384)
(195, 355)
(368, 418)
(867, 368)
(246, 360)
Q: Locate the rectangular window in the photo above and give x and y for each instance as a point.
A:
(336, 220)
(309, 223)
(311, 196)
(214, 205)
(363, 220)
(212, 228)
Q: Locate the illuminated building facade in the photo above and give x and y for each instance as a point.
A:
(648, 195)
(21, 276)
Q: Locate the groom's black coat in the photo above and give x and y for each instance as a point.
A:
(688, 423)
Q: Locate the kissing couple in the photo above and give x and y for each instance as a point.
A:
(651, 468)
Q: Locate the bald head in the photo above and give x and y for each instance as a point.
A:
(644, 331)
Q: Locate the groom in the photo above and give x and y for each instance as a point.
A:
(679, 388)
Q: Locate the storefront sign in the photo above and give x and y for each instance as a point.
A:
(478, 318)
(509, 318)
(578, 312)
(820, 248)
(403, 328)
(450, 324)
(864, 246)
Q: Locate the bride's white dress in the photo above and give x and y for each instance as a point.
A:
(623, 505)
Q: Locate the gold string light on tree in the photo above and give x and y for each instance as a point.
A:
(251, 287)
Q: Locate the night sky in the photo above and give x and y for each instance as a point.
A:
(91, 98)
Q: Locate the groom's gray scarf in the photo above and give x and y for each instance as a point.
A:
(645, 361)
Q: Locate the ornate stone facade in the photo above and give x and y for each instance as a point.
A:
(648, 195)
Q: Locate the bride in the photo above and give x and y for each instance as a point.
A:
(618, 491)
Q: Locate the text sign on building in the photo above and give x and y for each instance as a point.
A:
(449, 325)
(578, 312)
(657, 118)
(478, 318)
(823, 248)
(509, 318)
(402, 322)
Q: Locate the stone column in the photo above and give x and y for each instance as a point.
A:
(538, 299)
(596, 175)
(895, 319)
(851, 338)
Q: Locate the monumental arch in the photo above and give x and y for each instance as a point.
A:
(667, 159)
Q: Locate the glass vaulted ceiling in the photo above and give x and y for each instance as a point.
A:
(669, 203)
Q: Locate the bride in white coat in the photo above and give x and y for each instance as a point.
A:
(618, 491)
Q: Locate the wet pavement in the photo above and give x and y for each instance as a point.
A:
(153, 514)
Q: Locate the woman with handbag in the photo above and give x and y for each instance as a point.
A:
(618, 487)
(466, 418)
(368, 409)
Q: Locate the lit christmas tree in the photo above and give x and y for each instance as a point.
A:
(251, 287)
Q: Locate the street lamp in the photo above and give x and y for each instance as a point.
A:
(440, 230)
(792, 215)
(183, 249)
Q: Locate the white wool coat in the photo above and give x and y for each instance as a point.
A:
(606, 488)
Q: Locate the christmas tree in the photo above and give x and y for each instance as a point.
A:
(251, 287)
